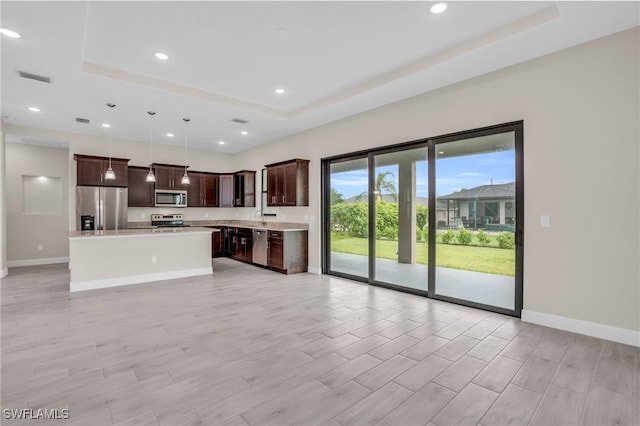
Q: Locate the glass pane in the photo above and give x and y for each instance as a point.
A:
(401, 207)
(349, 204)
(475, 244)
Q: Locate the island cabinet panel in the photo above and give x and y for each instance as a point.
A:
(288, 251)
(288, 183)
(90, 171)
(140, 191)
(169, 176)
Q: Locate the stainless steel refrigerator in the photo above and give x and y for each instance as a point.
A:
(106, 206)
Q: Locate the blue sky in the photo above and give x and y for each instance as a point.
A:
(452, 174)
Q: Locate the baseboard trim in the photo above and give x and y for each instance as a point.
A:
(34, 262)
(314, 270)
(137, 279)
(601, 331)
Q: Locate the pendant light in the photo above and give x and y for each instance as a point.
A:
(150, 176)
(185, 178)
(110, 174)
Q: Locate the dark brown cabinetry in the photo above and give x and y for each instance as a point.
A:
(237, 189)
(203, 190)
(140, 191)
(169, 176)
(288, 251)
(244, 188)
(288, 183)
(240, 244)
(91, 169)
(225, 191)
(219, 242)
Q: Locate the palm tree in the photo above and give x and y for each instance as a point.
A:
(336, 197)
(383, 184)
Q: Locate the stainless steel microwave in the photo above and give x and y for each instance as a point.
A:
(171, 198)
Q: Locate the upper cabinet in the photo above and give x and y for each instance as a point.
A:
(244, 188)
(238, 189)
(203, 190)
(91, 170)
(140, 191)
(169, 176)
(288, 183)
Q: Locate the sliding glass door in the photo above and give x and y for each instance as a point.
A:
(440, 217)
(347, 218)
(400, 191)
(475, 240)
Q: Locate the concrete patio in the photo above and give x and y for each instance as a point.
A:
(488, 289)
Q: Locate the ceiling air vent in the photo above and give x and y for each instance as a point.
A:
(34, 77)
(82, 120)
(240, 120)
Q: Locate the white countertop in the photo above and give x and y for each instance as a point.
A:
(146, 232)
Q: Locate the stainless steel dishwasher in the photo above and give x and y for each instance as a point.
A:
(260, 246)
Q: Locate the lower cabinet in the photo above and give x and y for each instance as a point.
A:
(219, 242)
(288, 251)
(240, 244)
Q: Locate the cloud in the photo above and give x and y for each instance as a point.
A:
(474, 174)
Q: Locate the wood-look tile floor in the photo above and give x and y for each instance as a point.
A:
(250, 346)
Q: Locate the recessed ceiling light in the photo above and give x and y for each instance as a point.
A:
(440, 152)
(9, 33)
(107, 125)
(279, 91)
(161, 56)
(438, 8)
(34, 109)
(244, 132)
(170, 135)
(220, 142)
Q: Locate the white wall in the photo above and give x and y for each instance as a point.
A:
(581, 134)
(3, 212)
(26, 230)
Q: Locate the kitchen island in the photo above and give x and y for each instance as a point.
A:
(101, 259)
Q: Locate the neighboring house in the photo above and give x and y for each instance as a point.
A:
(485, 206)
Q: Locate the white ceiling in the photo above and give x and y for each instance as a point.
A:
(335, 59)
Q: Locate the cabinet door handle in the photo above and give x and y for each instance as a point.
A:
(283, 198)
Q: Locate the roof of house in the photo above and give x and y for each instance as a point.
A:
(483, 192)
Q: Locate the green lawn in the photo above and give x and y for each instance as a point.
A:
(471, 258)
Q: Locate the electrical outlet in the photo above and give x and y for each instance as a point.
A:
(206, 215)
(154, 259)
(143, 215)
(40, 247)
(545, 221)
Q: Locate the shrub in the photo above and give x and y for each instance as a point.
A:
(422, 235)
(464, 236)
(352, 217)
(387, 220)
(483, 238)
(448, 237)
(506, 240)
